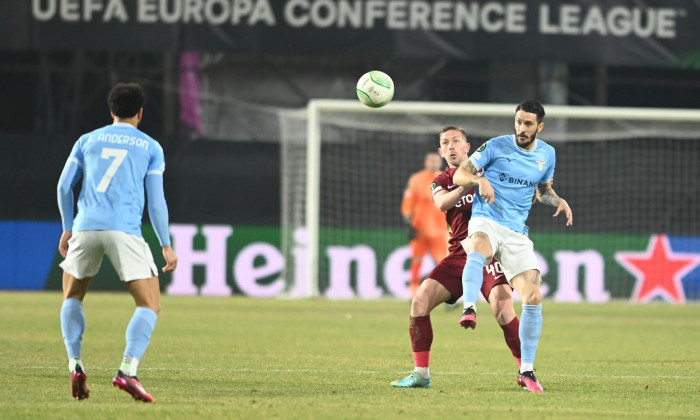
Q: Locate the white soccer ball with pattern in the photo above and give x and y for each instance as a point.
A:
(375, 89)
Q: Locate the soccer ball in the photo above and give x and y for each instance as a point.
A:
(375, 89)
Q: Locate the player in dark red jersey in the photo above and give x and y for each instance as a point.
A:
(444, 283)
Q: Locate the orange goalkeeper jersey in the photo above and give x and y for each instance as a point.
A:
(418, 204)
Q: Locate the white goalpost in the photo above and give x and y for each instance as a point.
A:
(344, 166)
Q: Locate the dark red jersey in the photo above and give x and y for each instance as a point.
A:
(459, 215)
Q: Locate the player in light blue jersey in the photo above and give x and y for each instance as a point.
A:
(115, 163)
(517, 170)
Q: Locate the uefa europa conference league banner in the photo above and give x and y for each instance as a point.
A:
(221, 260)
(623, 32)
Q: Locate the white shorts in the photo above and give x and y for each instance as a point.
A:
(514, 251)
(129, 254)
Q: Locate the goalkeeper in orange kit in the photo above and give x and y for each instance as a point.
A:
(427, 225)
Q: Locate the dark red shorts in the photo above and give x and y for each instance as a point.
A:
(449, 273)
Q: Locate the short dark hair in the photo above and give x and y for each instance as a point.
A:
(533, 107)
(126, 99)
(456, 128)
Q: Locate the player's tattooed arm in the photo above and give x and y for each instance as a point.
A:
(466, 177)
(549, 197)
(469, 166)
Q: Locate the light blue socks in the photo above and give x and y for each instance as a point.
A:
(530, 330)
(138, 333)
(472, 278)
(72, 326)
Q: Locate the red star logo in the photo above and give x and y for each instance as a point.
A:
(658, 270)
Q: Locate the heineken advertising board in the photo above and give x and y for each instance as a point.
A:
(221, 260)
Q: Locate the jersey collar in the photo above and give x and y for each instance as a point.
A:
(515, 143)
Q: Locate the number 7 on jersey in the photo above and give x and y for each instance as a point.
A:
(119, 155)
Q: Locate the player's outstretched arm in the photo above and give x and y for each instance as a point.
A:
(549, 197)
(466, 177)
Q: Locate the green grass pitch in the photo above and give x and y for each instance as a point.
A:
(245, 358)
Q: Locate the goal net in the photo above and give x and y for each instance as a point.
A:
(628, 174)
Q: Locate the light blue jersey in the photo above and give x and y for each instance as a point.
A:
(514, 174)
(116, 162)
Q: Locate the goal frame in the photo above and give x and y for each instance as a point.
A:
(316, 107)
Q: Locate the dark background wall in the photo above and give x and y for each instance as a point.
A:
(55, 74)
(237, 181)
